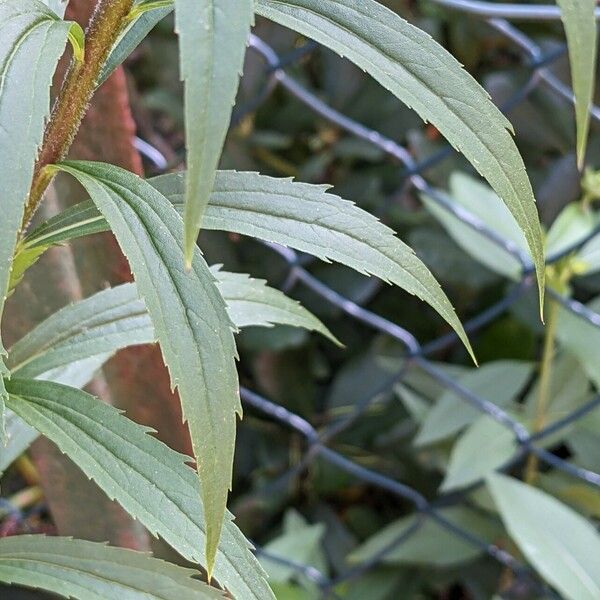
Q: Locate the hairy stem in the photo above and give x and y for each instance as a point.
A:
(544, 390)
(75, 94)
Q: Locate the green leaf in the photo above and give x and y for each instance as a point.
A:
(57, 6)
(589, 256)
(32, 39)
(498, 382)
(144, 16)
(581, 338)
(212, 45)
(582, 38)
(574, 223)
(411, 65)
(92, 571)
(251, 302)
(298, 215)
(100, 325)
(190, 320)
(19, 436)
(482, 448)
(151, 481)
(431, 544)
(300, 543)
(483, 202)
(559, 543)
(116, 318)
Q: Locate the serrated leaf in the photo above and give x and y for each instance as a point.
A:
(482, 448)
(212, 45)
(151, 481)
(559, 543)
(116, 318)
(299, 215)
(582, 39)
(32, 39)
(92, 571)
(417, 70)
(99, 325)
(190, 320)
(251, 302)
(498, 382)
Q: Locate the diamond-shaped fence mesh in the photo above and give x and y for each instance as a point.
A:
(318, 441)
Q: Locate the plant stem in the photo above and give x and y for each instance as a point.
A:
(545, 384)
(75, 94)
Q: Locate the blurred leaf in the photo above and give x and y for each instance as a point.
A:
(582, 38)
(151, 481)
(482, 448)
(431, 544)
(481, 201)
(584, 441)
(425, 76)
(589, 255)
(416, 406)
(580, 496)
(288, 591)
(190, 320)
(379, 583)
(88, 570)
(582, 339)
(574, 223)
(498, 382)
(559, 543)
(569, 387)
(299, 543)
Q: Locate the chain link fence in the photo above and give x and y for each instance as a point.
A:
(417, 355)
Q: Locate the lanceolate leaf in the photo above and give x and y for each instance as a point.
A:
(102, 324)
(190, 320)
(250, 302)
(298, 215)
(92, 571)
(32, 39)
(116, 318)
(582, 39)
(151, 481)
(73, 343)
(411, 65)
(559, 543)
(145, 16)
(212, 45)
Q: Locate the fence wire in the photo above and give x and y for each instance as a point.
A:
(417, 355)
